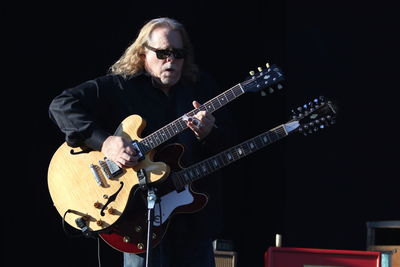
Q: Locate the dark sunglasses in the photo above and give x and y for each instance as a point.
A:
(166, 53)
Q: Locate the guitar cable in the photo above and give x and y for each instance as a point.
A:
(81, 224)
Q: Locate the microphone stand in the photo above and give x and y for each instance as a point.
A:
(151, 200)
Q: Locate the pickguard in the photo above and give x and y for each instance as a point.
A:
(168, 202)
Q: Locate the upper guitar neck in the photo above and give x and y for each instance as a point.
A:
(177, 126)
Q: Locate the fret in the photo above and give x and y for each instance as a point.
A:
(259, 142)
(191, 174)
(246, 148)
(179, 126)
(240, 152)
(209, 107)
(222, 99)
(280, 132)
(158, 137)
(204, 168)
(272, 136)
(229, 156)
(265, 139)
(197, 171)
(162, 135)
(223, 159)
(170, 131)
(216, 103)
(182, 124)
(237, 90)
(174, 128)
(215, 163)
(230, 95)
(151, 141)
(209, 166)
(186, 177)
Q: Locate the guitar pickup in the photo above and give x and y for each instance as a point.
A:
(138, 150)
(110, 168)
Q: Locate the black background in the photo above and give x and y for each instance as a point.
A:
(317, 191)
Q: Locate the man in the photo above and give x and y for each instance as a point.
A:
(157, 79)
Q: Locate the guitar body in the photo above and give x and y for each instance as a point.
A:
(74, 187)
(130, 233)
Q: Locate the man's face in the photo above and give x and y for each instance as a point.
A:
(165, 72)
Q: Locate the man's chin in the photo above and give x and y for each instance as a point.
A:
(170, 81)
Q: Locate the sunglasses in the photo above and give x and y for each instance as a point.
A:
(166, 53)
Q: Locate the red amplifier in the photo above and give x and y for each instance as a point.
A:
(310, 257)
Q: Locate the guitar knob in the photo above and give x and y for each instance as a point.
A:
(154, 235)
(140, 246)
(252, 72)
(97, 205)
(280, 86)
(259, 69)
(99, 222)
(111, 210)
(138, 229)
(267, 65)
(126, 239)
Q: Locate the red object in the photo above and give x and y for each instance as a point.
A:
(310, 257)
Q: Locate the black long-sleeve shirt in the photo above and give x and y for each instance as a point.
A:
(88, 113)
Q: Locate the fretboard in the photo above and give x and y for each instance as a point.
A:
(177, 126)
(210, 165)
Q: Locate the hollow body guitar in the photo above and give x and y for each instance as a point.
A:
(83, 184)
(175, 194)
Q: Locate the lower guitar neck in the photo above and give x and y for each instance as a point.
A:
(210, 165)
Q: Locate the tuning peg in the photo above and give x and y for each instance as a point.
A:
(267, 65)
(259, 69)
(294, 114)
(252, 72)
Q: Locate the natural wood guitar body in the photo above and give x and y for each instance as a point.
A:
(73, 186)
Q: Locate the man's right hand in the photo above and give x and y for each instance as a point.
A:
(120, 150)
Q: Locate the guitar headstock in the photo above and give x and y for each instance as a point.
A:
(265, 80)
(313, 116)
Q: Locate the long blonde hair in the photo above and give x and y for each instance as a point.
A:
(131, 63)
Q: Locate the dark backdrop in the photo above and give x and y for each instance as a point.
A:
(317, 191)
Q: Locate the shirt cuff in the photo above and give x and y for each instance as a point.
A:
(95, 141)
